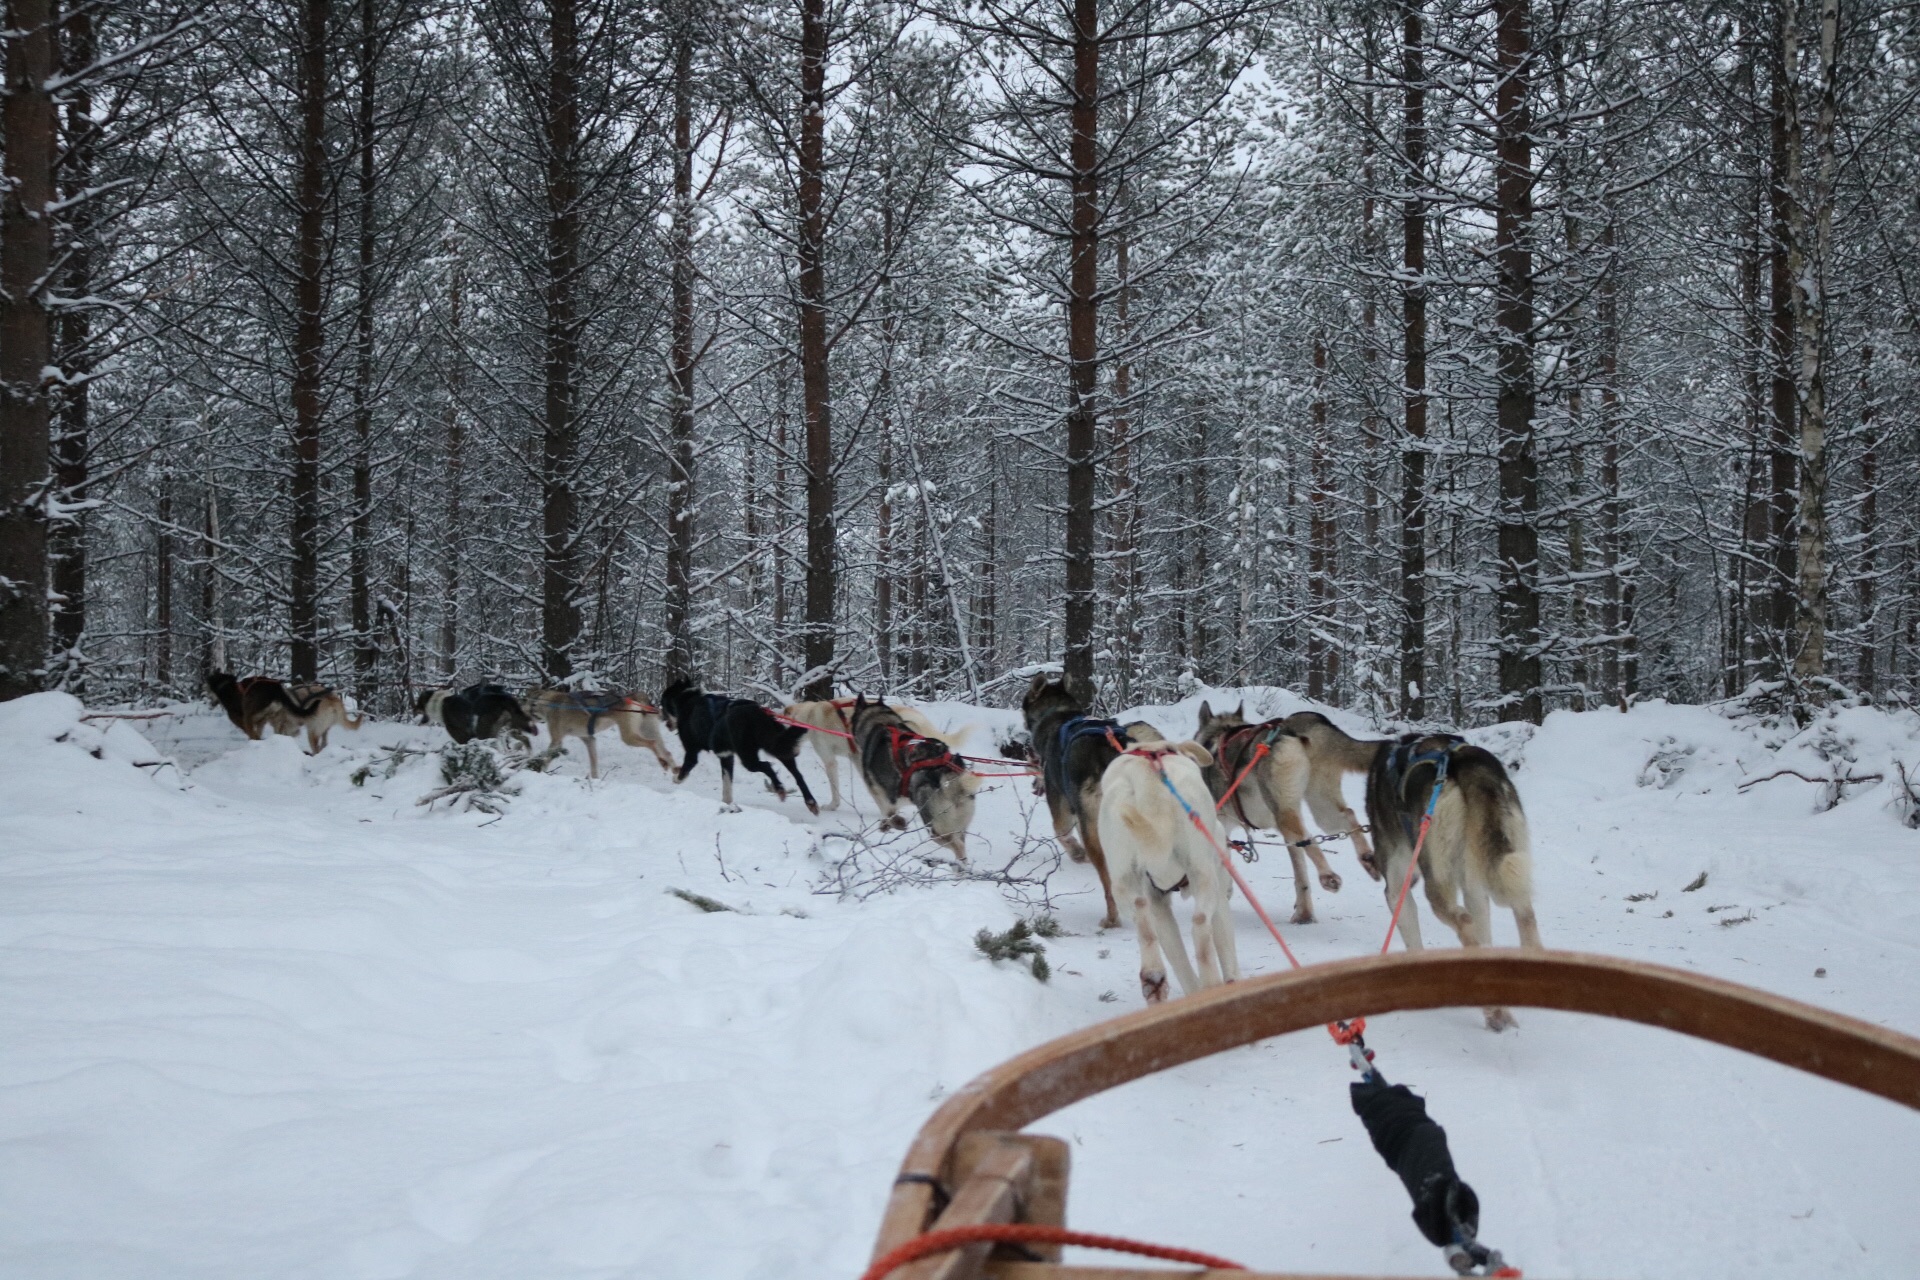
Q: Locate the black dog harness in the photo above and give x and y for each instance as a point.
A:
(1404, 757)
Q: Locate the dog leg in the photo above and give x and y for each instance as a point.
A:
(1167, 931)
(1302, 887)
(1396, 870)
(1330, 811)
(593, 757)
(1063, 825)
(830, 761)
(1097, 855)
(1478, 931)
(726, 784)
(793, 767)
(686, 765)
(1153, 968)
(661, 754)
(1295, 834)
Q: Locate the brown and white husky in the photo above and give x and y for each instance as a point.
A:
(571, 714)
(1271, 784)
(1477, 849)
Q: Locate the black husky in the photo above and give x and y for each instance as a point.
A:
(1074, 750)
(731, 727)
(477, 711)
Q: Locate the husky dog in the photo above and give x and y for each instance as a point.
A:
(256, 703)
(477, 711)
(830, 730)
(570, 714)
(900, 762)
(1477, 847)
(323, 711)
(1331, 755)
(1271, 785)
(729, 727)
(1154, 849)
(1074, 750)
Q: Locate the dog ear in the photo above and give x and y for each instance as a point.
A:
(1206, 712)
(1038, 683)
(1194, 752)
(1240, 712)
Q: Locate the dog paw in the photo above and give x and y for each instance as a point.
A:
(1499, 1020)
(1302, 915)
(730, 808)
(1076, 852)
(813, 807)
(1154, 987)
(1372, 868)
(1330, 881)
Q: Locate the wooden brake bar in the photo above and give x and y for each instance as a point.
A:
(995, 1174)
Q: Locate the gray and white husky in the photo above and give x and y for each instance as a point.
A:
(1477, 849)
(900, 762)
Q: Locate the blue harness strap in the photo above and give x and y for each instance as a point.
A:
(1404, 759)
(1072, 729)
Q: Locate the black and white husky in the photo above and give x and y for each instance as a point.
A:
(731, 727)
(477, 711)
(899, 761)
(1477, 849)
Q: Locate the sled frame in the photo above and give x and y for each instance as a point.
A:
(971, 1149)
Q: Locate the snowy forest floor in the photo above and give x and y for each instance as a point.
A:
(261, 1021)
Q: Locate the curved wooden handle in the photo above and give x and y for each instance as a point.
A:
(1061, 1072)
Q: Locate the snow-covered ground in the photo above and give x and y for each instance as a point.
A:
(258, 1020)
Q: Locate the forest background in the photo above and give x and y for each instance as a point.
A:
(1441, 359)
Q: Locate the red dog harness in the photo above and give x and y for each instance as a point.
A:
(913, 752)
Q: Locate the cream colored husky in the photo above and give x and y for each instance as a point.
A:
(1154, 849)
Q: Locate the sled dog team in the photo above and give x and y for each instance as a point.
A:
(1150, 815)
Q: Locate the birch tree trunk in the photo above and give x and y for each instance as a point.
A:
(1811, 256)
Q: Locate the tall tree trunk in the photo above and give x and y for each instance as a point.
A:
(366, 648)
(163, 587)
(213, 654)
(1782, 101)
(560, 585)
(29, 141)
(1811, 256)
(1754, 545)
(309, 341)
(816, 393)
(680, 461)
(1125, 639)
(67, 540)
(455, 439)
(1517, 523)
(1413, 304)
(884, 622)
(1869, 527)
(1615, 612)
(1083, 342)
(1322, 662)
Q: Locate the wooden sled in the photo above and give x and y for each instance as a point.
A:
(971, 1161)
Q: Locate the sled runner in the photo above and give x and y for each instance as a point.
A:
(971, 1168)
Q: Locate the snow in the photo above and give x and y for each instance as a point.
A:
(262, 1021)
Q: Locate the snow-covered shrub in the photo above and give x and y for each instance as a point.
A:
(474, 778)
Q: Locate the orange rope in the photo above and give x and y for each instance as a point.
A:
(1032, 1233)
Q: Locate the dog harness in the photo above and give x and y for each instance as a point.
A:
(1404, 757)
(1259, 737)
(1072, 729)
(913, 752)
(601, 704)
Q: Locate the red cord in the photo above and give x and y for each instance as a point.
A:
(1032, 1233)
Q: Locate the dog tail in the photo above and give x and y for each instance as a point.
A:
(226, 691)
(1496, 825)
(351, 719)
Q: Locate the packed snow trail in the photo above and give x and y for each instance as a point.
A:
(264, 1022)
